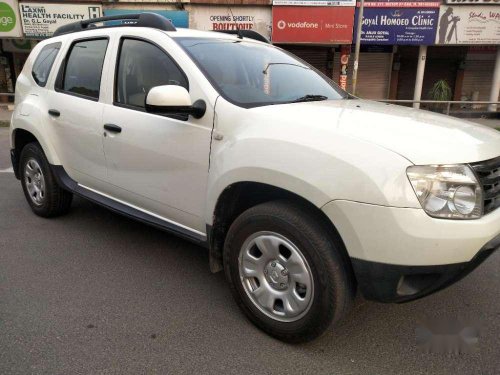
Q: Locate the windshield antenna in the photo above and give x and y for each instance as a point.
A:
(240, 35)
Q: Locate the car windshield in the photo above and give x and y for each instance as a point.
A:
(251, 74)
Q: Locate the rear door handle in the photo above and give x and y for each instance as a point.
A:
(54, 112)
(113, 128)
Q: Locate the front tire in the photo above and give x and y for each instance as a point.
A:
(286, 271)
(41, 190)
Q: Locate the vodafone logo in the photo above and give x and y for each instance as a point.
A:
(297, 25)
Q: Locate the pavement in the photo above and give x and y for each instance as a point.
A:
(5, 113)
(96, 293)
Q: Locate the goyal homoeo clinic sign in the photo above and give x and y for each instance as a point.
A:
(10, 26)
(40, 20)
(403, 26)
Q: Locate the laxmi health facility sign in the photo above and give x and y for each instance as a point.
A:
(40, 20)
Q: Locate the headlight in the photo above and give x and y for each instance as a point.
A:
(447, 191)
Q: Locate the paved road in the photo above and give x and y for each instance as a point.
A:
(94, 292)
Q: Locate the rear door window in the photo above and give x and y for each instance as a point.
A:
(83, 69)
(43, 63)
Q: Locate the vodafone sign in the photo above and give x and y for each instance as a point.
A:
(322, 25)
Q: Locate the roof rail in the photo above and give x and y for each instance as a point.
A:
(145, 19)
(250, 34)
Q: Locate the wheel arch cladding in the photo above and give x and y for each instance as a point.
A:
(238, 197)
(20, 138)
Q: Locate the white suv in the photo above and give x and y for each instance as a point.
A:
(301, 192)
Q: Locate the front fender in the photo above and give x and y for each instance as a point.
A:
(314, 162)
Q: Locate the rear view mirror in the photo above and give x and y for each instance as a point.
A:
(171, 100)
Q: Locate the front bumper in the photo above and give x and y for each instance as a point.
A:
(395, 283)
(401, 254)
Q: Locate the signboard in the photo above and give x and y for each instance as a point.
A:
(217, 18)
(40, 20)
(179, 18)
(345, 51)
(403, 26)
(10, 25)
(479, 2)
(468, 24)
(322, 25)
(317, 3)
(401, 4)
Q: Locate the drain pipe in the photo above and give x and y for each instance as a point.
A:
(356, 48)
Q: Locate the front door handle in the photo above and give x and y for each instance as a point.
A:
(113, 128)
(54, 112)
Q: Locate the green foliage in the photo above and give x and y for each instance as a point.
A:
(440, 91)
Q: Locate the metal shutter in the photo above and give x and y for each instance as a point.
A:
(477, 77)
(316, 56)
(373, 74)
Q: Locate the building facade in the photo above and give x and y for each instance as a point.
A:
(457, 39)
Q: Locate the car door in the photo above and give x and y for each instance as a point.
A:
(156, 163)
(75, 112)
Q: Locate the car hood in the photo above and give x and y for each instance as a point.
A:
(420, 136)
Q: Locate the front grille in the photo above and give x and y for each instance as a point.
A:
(489, 175)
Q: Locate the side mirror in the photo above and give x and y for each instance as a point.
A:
(173, 100)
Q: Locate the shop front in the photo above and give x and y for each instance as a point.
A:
(10, 30)
(24, 24)
(475, 24)
(390, 27)
(313, 32)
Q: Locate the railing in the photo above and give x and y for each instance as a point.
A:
(447, 103)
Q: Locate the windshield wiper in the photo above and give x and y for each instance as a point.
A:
(310, 98)
(278, 63)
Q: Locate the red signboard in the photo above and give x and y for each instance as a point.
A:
(322, 25)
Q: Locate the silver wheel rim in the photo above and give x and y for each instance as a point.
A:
(35, 181)
(276, 276)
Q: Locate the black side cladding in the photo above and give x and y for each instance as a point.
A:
(67, 183)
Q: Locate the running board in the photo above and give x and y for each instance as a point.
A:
(67, 183)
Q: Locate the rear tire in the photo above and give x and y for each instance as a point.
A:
(40, 187)
(287, 271)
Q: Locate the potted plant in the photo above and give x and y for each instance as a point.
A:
(440, 91)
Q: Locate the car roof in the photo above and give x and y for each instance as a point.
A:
(193, 33)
